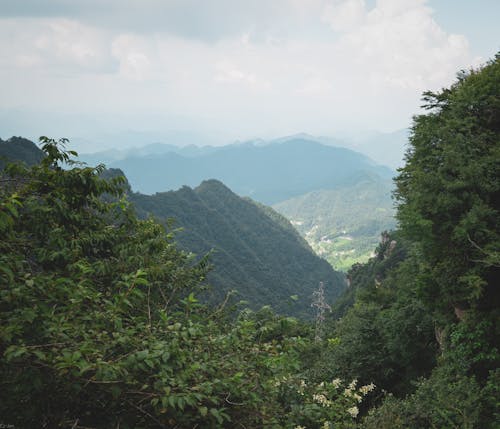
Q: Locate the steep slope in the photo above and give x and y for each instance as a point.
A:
(344, 224)
(256, 250)
(268, 173)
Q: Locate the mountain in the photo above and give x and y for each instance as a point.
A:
(19, 149)
(343, 225)
(255, 250)
(268, 173)
(115, 155)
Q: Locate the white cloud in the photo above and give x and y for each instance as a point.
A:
(343, 15)
(320, 66)
(61, 45)
(400, 45)
(134, 54)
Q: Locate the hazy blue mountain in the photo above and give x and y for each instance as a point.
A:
(344, 224)
(268, 173)
(116, 155)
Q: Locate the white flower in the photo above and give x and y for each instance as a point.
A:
(321, 399)
(336, 382)
(353, 411)
(368, 388)
(353, 383)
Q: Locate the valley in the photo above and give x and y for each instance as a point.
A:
(338, 199)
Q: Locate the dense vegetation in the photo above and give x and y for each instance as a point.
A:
(428, 304)
(101, 326)
(343, 225)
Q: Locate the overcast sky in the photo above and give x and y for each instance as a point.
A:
(230, 69)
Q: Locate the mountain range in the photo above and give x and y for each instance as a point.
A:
(269, 172)
(338, 199)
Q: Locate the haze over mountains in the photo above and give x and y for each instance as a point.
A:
(269, 172)
(385, 148)
(338, 199)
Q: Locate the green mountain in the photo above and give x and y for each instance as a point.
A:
(19, 149)
(255, 250)
(343, 225)
(266, 172)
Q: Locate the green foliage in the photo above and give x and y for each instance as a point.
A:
(100, 325)
(448, 206)
(448, 192)
(449, 398)
(382, 331)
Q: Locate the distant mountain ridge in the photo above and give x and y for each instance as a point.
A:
(268, 173)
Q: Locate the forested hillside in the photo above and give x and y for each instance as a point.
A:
(19, 149)
(101, 325)
(343, 225)
(256, 251)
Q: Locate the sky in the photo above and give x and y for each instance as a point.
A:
(122, 72)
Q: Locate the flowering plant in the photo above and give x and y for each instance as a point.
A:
(325, 405)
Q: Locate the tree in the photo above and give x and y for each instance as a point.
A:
(449, 192)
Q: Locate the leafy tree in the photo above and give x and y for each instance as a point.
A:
(449, 192)
(449, 201)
